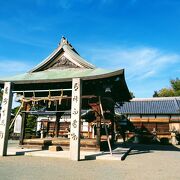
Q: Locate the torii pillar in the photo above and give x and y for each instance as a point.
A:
(5, 118)
(75, 119)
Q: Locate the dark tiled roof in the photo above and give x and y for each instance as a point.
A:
(170, 105)
(178, 102)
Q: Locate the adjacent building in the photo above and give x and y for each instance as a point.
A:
(160, 115)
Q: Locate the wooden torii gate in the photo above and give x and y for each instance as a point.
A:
(75, 119)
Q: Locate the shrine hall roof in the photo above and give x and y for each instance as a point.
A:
(64, 50)
(63, 64)
(54, 75)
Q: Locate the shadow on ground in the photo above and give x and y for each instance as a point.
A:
(148, 147)
(135, 149)
(122, 150)
(22, 153)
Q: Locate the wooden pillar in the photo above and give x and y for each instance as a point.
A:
(23, 126)
(98, 131)
(5, 118)
(96, 108)
(112, 131)
(57, 125)
(93, 131)
(115, 130)
(75, 120)
(48, 128)
(88, 130)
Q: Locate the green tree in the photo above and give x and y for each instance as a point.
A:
(30, 126)
(1, 95)
(174, 90)
(132, 94)
(15, 110)
(176, 86)
(155, 94)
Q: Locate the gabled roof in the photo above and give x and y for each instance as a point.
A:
(63, 64)
(64, 54)
(56, 75)
(165, 105)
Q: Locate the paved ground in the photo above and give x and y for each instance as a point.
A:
(145, 162)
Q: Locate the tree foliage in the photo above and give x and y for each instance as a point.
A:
(15, 110)
(174, 90)
(31, 123)
(30, 126)
(132, 94)
(176, 86)
(1, 95)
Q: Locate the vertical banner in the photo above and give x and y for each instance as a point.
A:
(5, 118)
(75, 120)
(17, 124)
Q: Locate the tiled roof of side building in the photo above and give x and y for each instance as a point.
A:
(169, 105)
(178, 102)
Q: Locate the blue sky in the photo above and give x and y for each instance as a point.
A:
(142, 36)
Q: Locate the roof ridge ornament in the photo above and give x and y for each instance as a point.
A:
(64, 41)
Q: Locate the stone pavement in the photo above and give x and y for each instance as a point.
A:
(14, 149)
(150, 162)
(117, 153)
(144, 162)
(89, 155)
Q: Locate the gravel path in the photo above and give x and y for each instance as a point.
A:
(138, 165)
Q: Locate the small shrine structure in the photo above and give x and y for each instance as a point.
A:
(71, 98)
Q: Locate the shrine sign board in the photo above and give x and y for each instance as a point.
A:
(75, 120)
(5, 118)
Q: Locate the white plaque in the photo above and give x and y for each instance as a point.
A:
(75, 120)
(17, 124)
(5, 118)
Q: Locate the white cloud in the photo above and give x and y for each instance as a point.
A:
(139, 63)
(146, 69)
(12, 67)
(148, 74)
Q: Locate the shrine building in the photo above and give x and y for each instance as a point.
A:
(57, 91)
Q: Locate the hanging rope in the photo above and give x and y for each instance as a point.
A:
(60, 99)
(49, 97)
(33, 99)
(22, 104)
(102, 113)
